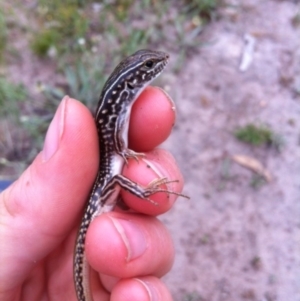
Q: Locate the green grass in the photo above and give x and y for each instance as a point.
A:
(254, 135)
(193, 296)
(225, 174)
(259, 136)
(296, 19)
(10, 97)
(84, 40)
(257, 181)
(204, 8)
(84, 81)
(63, 25)
(3, 34)
(113, 26)
(43, 41)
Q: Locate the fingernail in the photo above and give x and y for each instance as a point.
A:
(55, 131)
(132, 236)
(160, 174)
(151, 291)
(156, 168)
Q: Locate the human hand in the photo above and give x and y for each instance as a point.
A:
(41, 211)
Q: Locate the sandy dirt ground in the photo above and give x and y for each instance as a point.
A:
(235, 242)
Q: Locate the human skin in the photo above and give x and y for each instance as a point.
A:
(40, 212)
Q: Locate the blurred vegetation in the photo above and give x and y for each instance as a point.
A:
(3, 35)
(43, 41)
(203, 8)
(63, 24)
(296, 19)
(10, 97)
(259, 136)
(193, 296)
(83, 40)
(255, 135)
(257, 181)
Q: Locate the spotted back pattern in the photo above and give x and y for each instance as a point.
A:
(120, 91)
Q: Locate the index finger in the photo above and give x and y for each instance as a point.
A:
(151, 121)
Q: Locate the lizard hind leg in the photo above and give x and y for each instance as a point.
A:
(140, 191)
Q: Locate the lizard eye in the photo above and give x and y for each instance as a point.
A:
(149, 64)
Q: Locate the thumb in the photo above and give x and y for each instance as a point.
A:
(41, 207)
